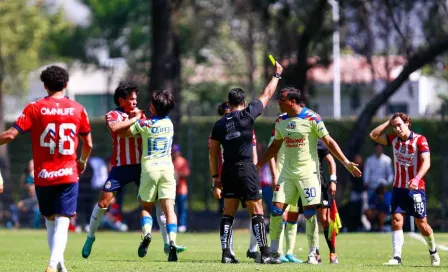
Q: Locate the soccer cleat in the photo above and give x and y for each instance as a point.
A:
(172, 255)
(435, 259)
(143, 248)
(229, 259)
(292, 259)
(61, 268)
(252, 255)
(334, 258)
(49, 269)
(274, 258)
(283, 258)
(394, 261)
(312, 259)
(87, 248)
(179, 249)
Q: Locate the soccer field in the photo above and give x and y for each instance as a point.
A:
(27, 250)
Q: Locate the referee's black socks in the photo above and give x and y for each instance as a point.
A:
(226, 231)
(259, 230)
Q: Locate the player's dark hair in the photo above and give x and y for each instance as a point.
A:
(163, 102)
(55, 78)
(222, 108)
(124, 89)
(293, 94)
(403, 117)
(236, 97)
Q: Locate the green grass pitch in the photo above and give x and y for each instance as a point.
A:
(27, 250)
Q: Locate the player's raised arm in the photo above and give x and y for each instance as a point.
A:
(377, 134)
(337, 152)
(269, 91)
(115, 126)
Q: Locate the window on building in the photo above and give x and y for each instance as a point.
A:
(398, 107)
(96, 105)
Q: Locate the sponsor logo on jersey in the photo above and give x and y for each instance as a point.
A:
(55, 174)
(58, 111)
(290, 142)
(156, 130)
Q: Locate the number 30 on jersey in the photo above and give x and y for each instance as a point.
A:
(66, 142)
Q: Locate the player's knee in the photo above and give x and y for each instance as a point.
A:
(308, 213)
(276, 211)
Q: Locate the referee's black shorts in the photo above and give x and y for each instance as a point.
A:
(240, 180)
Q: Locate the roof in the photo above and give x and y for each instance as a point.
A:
(356, 69)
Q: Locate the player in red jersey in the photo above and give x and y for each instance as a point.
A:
(412, 161)
(55, 122)
(125, 161)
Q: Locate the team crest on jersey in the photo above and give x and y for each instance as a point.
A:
(230, 127)
(108, 184)
(291, 125)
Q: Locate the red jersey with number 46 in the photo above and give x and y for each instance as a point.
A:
(55, 125)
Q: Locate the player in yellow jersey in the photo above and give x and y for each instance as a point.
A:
(157, 177)
(299, 130)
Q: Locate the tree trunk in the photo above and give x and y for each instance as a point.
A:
(312, 28)
(359, 130)
(165, 60)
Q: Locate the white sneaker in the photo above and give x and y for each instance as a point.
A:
(182, 229)
(435, 259)
(312, 259)
(394, 261)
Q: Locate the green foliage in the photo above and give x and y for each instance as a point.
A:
(23, 31)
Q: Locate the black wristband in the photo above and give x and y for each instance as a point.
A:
(277, 75)
(215, 176)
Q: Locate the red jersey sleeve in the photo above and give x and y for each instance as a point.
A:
(25, 120)
(84, 128)
(422, 144)
(254, 138)
(390, 138)
(112, 117)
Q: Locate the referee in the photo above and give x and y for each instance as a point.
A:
(239, 174)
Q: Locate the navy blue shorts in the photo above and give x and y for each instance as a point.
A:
(409, 201)
(59, 199)
(119, 176)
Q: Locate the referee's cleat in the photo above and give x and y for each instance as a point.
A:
(179, 249)
(143, 248)
(172, 255)
(87, 248)
(274, 258)
(229, 259)
(252, 255)
(394, 261)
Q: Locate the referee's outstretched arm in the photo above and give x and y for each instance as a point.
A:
(269, 91)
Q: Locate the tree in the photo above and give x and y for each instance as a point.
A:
(165, 72)
(20, 43)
